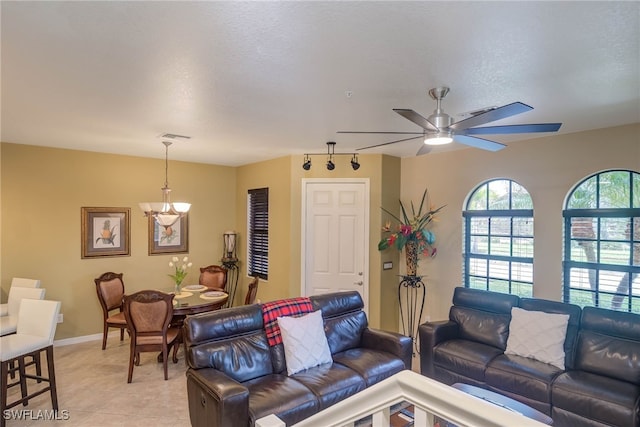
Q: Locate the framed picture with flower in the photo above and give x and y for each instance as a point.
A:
(105, 232)
(173, 239)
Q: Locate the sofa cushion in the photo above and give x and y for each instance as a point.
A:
(467, 358)
(481, 326)
(574, 312)
(597, 398)
(609, 344)
(331, 383)
(372, 365)
(537, 335)
(345, 331)
(523, 376)
(304, 341)
(281, 395)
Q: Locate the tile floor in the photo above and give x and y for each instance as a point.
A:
(92, 387)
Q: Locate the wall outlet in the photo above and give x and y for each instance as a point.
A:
(60, 318)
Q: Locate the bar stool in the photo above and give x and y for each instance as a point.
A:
(37, 321)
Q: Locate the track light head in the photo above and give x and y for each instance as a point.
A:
(330, 165)
(354, 163)
(307, 163)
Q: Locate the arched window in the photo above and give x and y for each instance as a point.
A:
(602, 242)
(498, 238)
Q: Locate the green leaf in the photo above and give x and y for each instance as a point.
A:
(384, 244)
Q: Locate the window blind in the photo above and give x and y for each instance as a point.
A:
(258, 233)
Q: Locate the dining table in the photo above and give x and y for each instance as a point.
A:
(193, 299)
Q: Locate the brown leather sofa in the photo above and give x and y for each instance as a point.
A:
(600, 385)
(234, 377)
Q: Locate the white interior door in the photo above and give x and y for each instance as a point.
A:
(335, 238)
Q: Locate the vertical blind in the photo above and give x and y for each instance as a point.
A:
(258, 233)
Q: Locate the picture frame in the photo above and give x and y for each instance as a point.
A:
(169, 240)
(105, 232)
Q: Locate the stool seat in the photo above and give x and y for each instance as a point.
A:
(16, 345)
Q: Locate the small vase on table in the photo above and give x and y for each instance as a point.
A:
(178, 287)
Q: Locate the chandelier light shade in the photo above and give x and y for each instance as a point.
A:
(165, 213)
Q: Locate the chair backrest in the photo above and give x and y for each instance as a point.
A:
(252, 291)
(17, 294)
(25, 283)
(148, 312)
(110, 289)
(38, 318)
(213, 276)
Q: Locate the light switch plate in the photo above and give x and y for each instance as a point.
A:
(387, 265)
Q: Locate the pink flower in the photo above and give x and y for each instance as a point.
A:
(406, 230)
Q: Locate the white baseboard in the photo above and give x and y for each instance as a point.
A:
(84, 338)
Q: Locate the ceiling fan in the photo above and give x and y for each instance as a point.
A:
(439, 128)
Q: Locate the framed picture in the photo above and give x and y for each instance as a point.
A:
(169, 240)
(105, 232)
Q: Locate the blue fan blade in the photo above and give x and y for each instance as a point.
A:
(491, 116)
(501, 130)
(473, 141)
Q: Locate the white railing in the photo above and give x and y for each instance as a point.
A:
(431, 400)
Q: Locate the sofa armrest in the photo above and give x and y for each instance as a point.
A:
(215, 399)
(432, 334)
(390, 342)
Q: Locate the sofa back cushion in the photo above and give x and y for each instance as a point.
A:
(232, 341)
(555, 307)
(344, 320)
(483, 316)
(609, 344)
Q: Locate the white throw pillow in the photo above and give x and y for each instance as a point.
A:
(538, 335)
(305, 343)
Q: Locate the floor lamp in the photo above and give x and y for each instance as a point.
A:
(230, 262)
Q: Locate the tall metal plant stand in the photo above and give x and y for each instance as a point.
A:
(233, 272)
(412, 293)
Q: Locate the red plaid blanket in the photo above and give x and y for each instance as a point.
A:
(295, 307)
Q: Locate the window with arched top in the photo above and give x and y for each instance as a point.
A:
(601, 264)
(498, 238)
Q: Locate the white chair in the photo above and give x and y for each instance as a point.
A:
(21, 283)
(25, 283)
(37, 321)
(9, 323)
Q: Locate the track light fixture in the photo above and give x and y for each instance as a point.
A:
(354, 162)
(307, 162)
(331, 146)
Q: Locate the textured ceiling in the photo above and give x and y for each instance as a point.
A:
(249, 81)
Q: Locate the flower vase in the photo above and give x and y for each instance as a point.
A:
(411, 254)
(178, 288)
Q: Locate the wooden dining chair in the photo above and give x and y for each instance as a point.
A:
(213, 277)
(110, 289)
(252, 291)
(148, 314)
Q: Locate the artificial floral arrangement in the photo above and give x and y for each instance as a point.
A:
(412, 230)
(180, 270)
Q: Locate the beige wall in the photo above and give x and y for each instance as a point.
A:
(547, 167)
(43, 190)
(284, 177)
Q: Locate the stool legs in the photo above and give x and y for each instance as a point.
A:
(5, 368)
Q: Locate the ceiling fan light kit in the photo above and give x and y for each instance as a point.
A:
(165, 213)
(439, 128)
(331, 146)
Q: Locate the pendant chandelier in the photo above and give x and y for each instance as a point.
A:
(165, 213)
